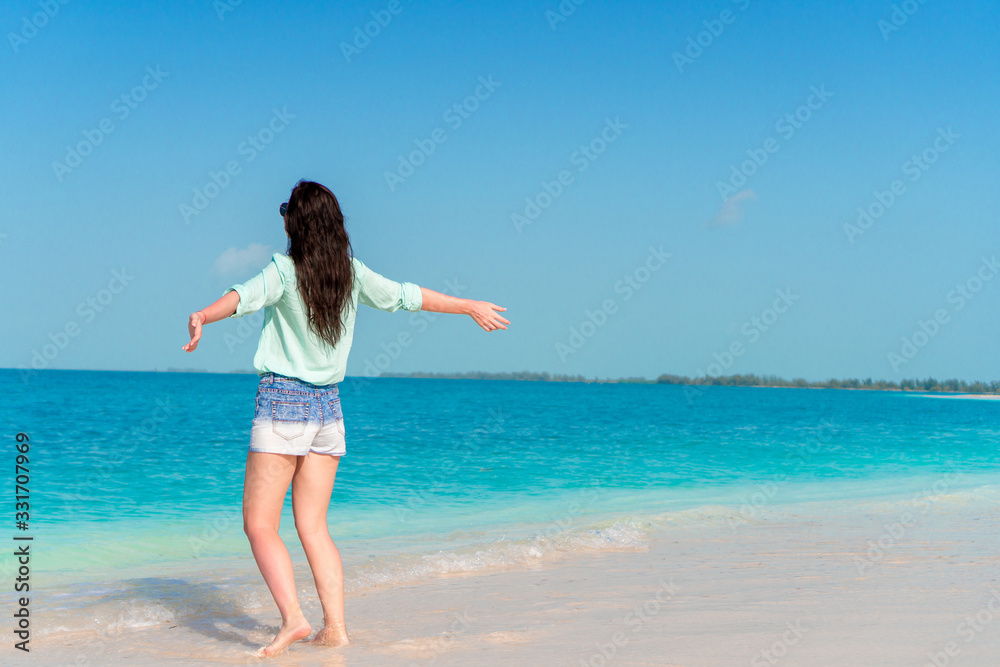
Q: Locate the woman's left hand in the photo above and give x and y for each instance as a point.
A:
(485, 314)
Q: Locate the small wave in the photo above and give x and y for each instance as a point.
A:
(140, 615)
(115, 618)
(698, 517)
(621, 535)
(938, 494)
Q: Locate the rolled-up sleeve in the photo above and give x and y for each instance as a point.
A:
(264, 289)
(379, 292)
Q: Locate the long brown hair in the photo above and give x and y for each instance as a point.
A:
(319, 246)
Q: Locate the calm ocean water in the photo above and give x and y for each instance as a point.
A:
(136, 478)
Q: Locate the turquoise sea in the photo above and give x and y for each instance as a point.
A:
(136, 478)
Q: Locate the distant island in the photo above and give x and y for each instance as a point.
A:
(170, 369)
(747, 380)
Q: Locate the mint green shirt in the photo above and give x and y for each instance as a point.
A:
(288, 346)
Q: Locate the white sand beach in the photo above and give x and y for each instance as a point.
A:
(973, 397)
(891, 583)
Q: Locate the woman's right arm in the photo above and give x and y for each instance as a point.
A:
(220, 310)
(262, 290)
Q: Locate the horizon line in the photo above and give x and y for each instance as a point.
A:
(705, 380)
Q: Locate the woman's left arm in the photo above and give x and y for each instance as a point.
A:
(220, 310)
(484, 313)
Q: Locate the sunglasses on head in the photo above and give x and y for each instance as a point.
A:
(282, 209)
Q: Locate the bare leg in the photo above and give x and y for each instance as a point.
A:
(264, 488)
(311, 489)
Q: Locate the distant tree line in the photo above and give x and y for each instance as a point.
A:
(527, 376)
(742, 380)
(751, 380)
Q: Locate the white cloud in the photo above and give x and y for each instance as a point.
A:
(731, 211)
(237, 261)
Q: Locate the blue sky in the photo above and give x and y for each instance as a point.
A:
(642, 109)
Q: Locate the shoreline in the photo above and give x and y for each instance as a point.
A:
(587, 519)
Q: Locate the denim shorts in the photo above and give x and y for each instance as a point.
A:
(295, 417)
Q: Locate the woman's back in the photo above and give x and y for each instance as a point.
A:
(288, 344)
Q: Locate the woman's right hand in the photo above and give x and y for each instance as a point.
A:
(195, 323)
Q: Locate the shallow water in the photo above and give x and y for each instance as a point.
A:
(136, 479)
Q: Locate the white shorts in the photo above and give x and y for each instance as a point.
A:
(295, 417)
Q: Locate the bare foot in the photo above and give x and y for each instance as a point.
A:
(331, 635)
(289, 632)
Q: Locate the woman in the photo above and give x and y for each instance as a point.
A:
(310, 297)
